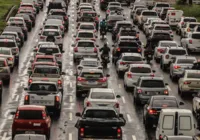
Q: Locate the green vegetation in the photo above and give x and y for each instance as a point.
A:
(192, 10)
(5, 6)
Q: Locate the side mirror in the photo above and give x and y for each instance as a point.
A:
(73, 45)
(63, 73)
(25, 88)
(107, 75)
(13, 113)
(97, 45)
(118, 96)
(62, 51)
(121, 115)
(166, 84)
(79, 67)
(75, 74)
(181, 103)
(31, 61)
(134, 84)
(39, 33)
(153, 71)
(113, 45)
(98, 15)
(96, 36)
(68, 15)
(78, 114)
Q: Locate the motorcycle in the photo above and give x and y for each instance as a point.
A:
(148, 56)
(103, 32)
(105, 61)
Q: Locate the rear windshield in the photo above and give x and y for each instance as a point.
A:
(55, 17)
(89, 14)
(114, 8)
(124, 25)
(50, 27)
(168, 44)
(45, 60)
(6, 52)
(162, 28)
(102, 95)
(116, 18)
(48, 50)
(196, 36)
(7, 44)
(100, 114)
(17, 24)
(140, 70)
(30, 114)
(86, 44)
(193, 25)
(9, 34)
(87, 27)
(128, 44)
(149, 13)
(46, 70)
(162, 5)
(185, 61)
(177, 52)
(131, 58)
(92, 75)
(90, 63)
(59, 13)
(193, 75)
(161, 35)
(16, 19)
(128, 33)
(189, 20)
(153, 83)
(165, 103)
(85, 35)
(50, 33)
(87, 19)
(44, 87)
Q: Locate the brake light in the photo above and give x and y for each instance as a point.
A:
(26, 99)
(95, 50)
(17, 115)
(77, 39)
(167, 56)
(80, 79)
(151, 111)
(42, 37)
(152, 75)
(44, 115)
(139, 50)
(119, 133)
(118, 49)
(76, 49)
(190, 41)
(59, 82)
(108, 11)
(103, 79)
(122, 63)
(5, 63)
(166, 92)
(129, 75)
(66, 17)
(139, 91)
(82, 132)
(187, 83)
(88, 103)
(10, 58)
(30, 81)
(117, 105)
(188, 29)
(61, 27)
(177, 67)
(160, 50)
(160, 137)
(57, 98)
(182, 23)
(102, 0)
(59, 55)
(0, 82)
(173, 14)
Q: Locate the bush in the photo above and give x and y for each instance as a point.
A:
(181, 2)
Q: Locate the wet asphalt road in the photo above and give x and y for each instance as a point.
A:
(63, 129)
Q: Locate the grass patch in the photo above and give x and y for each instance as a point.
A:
(192, 11)
(5, 5)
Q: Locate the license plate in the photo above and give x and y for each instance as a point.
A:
(92, 82)
(36, 124)
(152, 93)
(149, 55)
(30, 132)
(102, 104)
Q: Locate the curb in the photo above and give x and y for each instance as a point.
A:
(10, 12)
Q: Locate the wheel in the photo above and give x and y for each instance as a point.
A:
(136, 101)
(157, 60)
(7, 81)
(120, 74)
(179, 91)
(78, 95)
(147, 125)
(125, 87)
(48, 135)
(57, 113)
(182, 94)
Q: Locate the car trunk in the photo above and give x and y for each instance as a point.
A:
(86, 49)
(104, 103)
(194, 83)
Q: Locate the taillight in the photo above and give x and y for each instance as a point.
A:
(160, 50)
(182, 23)
(151, 111)
(95, 50)
(80, 79)
(177, 67)
(44, 115)
(82, 132)
(129, 75)
(88, 103)
(10, 58)
(26, 99)
(77, 39)
(187, 83)
(166, 92)
(30, 81)
(139, 91)
(76, 49)
(190, 41)
(57, 98)
(118, 49)
(17, 115)
(66, 17)
(103, 79)
(167, 56)
(152, 75)
(0, 82)
(117, 105)
(62, 27)
(119, 133)
(188, 29)
(42, 37)
(122, 63)
(139, 50)
(173, 14)
(59, 82)
(160, 137)
(108, 11)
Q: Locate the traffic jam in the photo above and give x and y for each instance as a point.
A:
(98, 70)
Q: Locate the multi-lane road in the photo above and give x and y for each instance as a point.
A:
(63, 128)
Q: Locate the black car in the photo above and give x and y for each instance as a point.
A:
(27, 19)
(100, 123)
(57, 4)
(104, 4)
(153, 107)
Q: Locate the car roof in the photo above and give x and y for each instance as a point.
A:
(185, 57)
(124, 22)
(2, 59)
(167, 110)
(86, 23)
(92, 70)
(57, 10)
(102, 90)
(193, 23)
(140, 65)
(127, 37)
(11, 32)
(48, 46)
(31, 107)
(41, 42)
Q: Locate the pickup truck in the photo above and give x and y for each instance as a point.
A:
(100, 123)
(47, 73)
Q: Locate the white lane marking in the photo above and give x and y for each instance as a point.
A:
(2, 125)
(123, 99)
(169, 88)
(70, 136)
(120, 86)
(70, 99)
(36, 40)
(70, 116)
(129, 117)
(6, 113)
(133, 137)
(70, 84)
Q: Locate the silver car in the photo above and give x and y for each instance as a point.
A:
(179, 64)
(147, 87)
(85, 35)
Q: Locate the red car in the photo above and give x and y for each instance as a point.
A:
(31, 119)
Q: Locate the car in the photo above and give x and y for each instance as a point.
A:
(191, 42)
(104, 4)
(90, 78)
(60, 17)
(16, 19)
(87, 26)
(88, 63)
(92, 14)
(189, 28)
(148, 86)
(44, 93)
(25, 7)
(52, 35)
(147, 23)
(163, 12)
(125, 59)
(27, 20)
(15, 34)
(134, 72)
(149, 29)
(44, 58)
(58, 4)
(111, 128)
(159, 5)
(160, 49)
(85, 35)
(189, 82)
(182, 24)
(180, 138)
(40, 120)
(151, 110)
(113, 8)
(50, 23)
(85, 48)
(163, 27)
(169, 54)
(86, 19)
(173, 17)
(105, 97)
(133, 9)
(30, 137)
(31, 5)
(40, 43)
(126, 32)
(179, 64)
(112, 19)
(7, 53)
(30, 13)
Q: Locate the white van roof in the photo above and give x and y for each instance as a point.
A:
(182, 111)
(29, 137)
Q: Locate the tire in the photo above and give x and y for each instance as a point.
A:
(7, 81)
(78, 95)
(120, 74)
(136, 101)
(148, 125)
(179, 91)
(126, 88)
(157, 60)
(48, 135)
(57, 113)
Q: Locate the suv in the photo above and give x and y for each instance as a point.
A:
(31, 119)
(7, 53)
(44, 93)
(169, 54)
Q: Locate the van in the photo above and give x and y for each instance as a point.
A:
(175, 122)
(173, 17)
(29, 137)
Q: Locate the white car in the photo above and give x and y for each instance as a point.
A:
(16, 19)
(146, 24)
(102, 97)
(18, 40)
(179, 65)
(192, 42)
(150, 27)
(189, 83)
(85, 35)
(133, 9)
(128, 58)
(87, 26)
(160, 49)
(189, 27)
(134, 72)
(169, 54)
(163, 27)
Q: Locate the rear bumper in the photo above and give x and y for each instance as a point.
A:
(37, 131)
(194, 48)
(152, 119)
(80, 55)
(80, 88)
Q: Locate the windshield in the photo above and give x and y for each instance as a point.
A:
(102, 95)
(177, 52)
(55, 17)
(128, 33)
(185, 61)
(50, 33)
(149, 14)
(58, 13)
(128, 44)
(30, 115)
(168, 44)
(43, 87)
(162, 5)
(16, 24)
(162, 28)
(7, 44)
(44, 60)
(46, 70)
(91, 75)
(87, 27)
(193, 25)
(89, 63)
(131, 58)
(85, 35)
(193, 75)
(48, 50)
(196, 36)
(153, 84)
(140, 70)
(100, 114)
(164, 103)
(86, 44)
